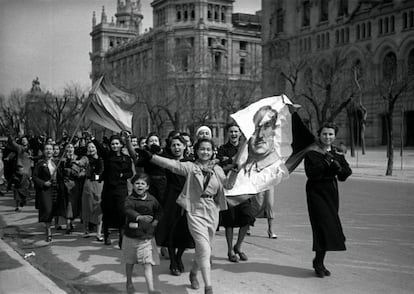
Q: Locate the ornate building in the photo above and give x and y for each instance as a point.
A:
(375, 41)
(199, 63)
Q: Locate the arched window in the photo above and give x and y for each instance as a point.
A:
(323, 16)
(392, 24)
(242, 66)
(369, 30)
(318, 42)
(358, 32)
(389, 66)
(380, 23)
(363, 31)
(410, 63)
(405, 20)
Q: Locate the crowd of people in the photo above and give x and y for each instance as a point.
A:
(163, 195)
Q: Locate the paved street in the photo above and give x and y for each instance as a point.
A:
(378, 220)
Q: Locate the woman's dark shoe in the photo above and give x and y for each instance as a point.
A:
(271, 235)
(194, 281)
(69, 229)
(208, 290)
(99, 238)
(107, 241)
(242, 255)
(175, 271)
(49, 238)
(319, 272)
(180, 266)
(326, 272)
(233, 257)
(130, 288)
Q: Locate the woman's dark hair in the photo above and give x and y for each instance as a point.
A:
(328, 125)
(141, 176)
(176, 137)
(152, 134)
(198, 144)
(116, 137)
(230, 125)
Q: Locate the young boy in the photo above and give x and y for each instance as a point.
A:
(143, 213)
(20, 183)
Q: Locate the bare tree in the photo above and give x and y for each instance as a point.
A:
(63, 109)
(13, 112)
(391, 88)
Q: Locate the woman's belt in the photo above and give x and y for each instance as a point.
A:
(206, 196)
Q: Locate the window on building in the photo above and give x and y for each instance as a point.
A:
(184, 62)
(190, 41)
(223, 14)
(178, 12)
(185, 12)
(411, 19)
(342, 40)
(192, 12)
(347, 35)
(280, 20)
(323, 40)
(223, 42)
(243, 45)
(363, 31)
(318, 42)
(306, 13)
(343, 8)
(386, 28)
(380, 28)
(210, 12)
(323, 16)
(405, 20)
(369, 30)
(327, 40)
(337, 37)
(210, 42)
(389, 67)
(217, 61)
(242, 66)
(410, 63)
(216, 12)
(358, 32)
(392, 24)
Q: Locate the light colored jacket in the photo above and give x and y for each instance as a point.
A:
(193, 187)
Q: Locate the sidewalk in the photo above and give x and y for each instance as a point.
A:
(373, 164)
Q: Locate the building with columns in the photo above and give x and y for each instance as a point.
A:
(375, 41)
(198, 64)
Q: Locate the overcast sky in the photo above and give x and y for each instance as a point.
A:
(50, 39)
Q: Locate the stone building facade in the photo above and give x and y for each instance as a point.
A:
(374, 37)
(199, 63)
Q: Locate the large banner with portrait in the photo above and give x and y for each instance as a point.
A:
(267, 128)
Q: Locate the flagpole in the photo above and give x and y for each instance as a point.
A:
(79, 121)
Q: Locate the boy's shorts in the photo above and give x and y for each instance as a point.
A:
(137, 251)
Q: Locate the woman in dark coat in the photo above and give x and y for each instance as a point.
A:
(172, 231)
(44, 178)
(70, 178)
(117, 170)
(325, 164)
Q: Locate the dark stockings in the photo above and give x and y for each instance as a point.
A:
(319, 258)
(175, 258)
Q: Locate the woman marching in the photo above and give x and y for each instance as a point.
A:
(202, 198)
(92, 190)
(44, 178)
(324, 166)
(117, 170)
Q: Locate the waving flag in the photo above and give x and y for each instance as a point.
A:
(107, 106)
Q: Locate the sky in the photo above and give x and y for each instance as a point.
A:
(50, 39)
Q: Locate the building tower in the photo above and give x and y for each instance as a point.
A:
(106, 35)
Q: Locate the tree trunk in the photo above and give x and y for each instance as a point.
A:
(351, 129)
(390, 145)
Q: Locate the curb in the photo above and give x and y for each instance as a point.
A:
(27, 270)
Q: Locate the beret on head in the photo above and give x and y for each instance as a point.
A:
(203, 128)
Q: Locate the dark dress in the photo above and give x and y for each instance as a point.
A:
(45, 196)
(172, 231)
(117, 170)
(70, 178)
(323, 169)
(242, 214)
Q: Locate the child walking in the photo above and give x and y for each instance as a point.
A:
(143, 213)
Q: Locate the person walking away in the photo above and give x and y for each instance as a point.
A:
(325, 165)
(143, 213)
(20, 184)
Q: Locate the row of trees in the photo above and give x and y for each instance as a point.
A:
(41, 113)
(333, 84)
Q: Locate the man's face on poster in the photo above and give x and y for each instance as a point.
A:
(262, 141)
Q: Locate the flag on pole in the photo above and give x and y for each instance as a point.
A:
(107, 106)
